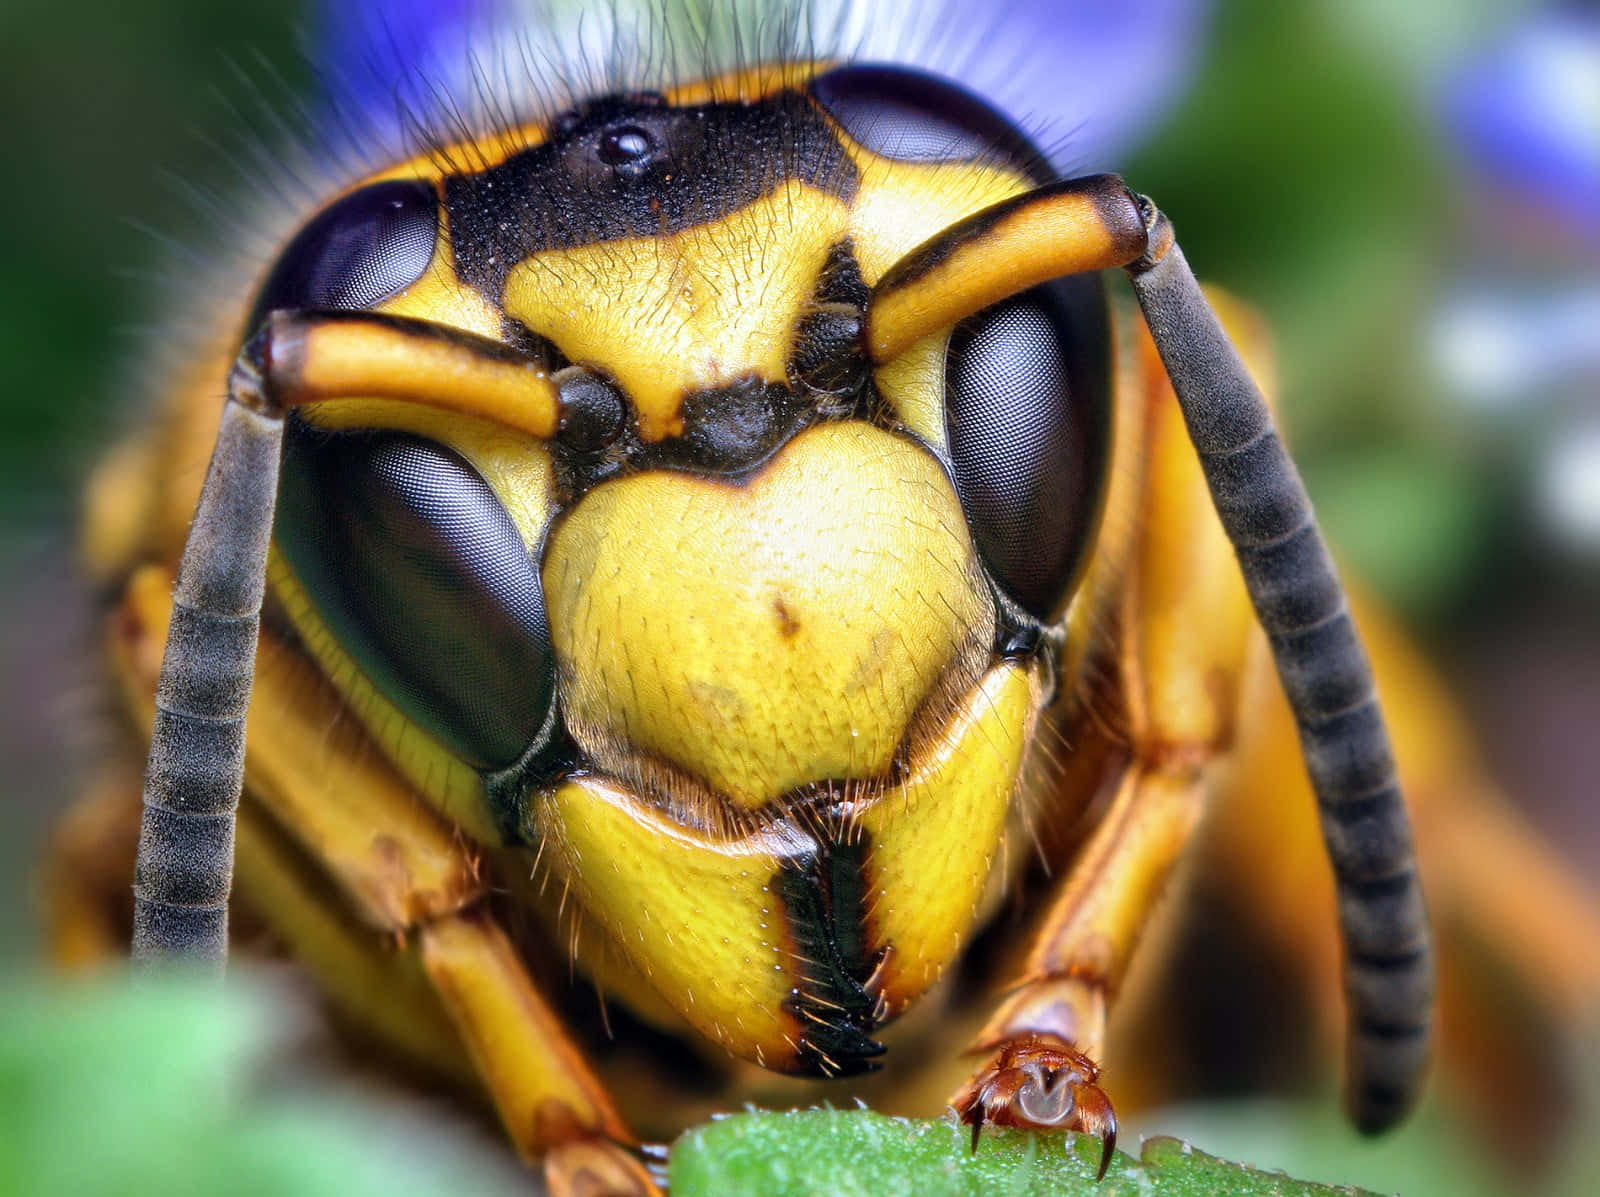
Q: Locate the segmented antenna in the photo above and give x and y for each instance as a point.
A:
(196, 766)
(1326, 677)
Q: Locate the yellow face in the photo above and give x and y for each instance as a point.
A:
(745, 656)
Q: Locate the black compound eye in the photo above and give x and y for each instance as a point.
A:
(359, 251)
(911, 116)
(1028, 412)
(414, 566)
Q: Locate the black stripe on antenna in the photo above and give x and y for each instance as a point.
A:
(196, 764)
(1326, 677)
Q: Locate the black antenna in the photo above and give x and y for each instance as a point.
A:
(196, 766)
(1326, 676)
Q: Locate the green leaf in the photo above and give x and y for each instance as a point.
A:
(158, 1087)
(859, 1153)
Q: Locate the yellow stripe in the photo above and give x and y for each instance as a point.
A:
(330, 360)
(993, 255)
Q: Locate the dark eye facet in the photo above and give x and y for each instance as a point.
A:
(1028, 412)
(359, 251)
(911, 116)
(418, 572)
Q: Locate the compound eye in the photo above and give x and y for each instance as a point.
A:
(1028, 413)
(911, 116)
(421, 577)
(359, 251)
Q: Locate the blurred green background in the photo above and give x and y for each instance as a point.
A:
(1305, 168)
(108, 113)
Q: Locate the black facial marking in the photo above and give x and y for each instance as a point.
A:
(1028, 412)
(361, 250)
(530, 344)
(632, 167)
(841, 280)
(733, 428)
(1015, 641)
(418, 572)
(912, 116)
(829, 356)
(824, 896)
(594, 413)
(727, 432)
(507, 792)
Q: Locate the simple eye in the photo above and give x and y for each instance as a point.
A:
(911, 116)
(418, 572)
(625, 144)
(364, 248)
(1028, 411)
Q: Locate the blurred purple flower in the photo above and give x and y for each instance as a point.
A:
(1521, 325)
(1525, 113)
(1093, 76)
(380, 58)
(1517, 334)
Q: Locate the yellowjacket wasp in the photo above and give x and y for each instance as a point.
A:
(769, 432)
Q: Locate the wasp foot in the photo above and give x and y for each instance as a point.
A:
(1040, 1082)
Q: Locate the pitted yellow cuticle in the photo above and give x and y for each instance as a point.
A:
(769, 634)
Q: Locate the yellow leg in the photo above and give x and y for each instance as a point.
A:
(1167, 611)
(540, 1082)
(384, 902)
(373, 981)
(1086, 941)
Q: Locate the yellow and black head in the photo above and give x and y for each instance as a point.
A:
(749, 639)
(685, 493)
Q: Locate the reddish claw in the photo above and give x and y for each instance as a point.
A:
(1040, 1082)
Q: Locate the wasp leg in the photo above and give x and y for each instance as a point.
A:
(395, 860)
(456, 1001)
(1169, 623)
(1051, 1030)
(383, 901)
(381, 992)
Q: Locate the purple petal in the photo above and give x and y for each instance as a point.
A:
(1095, 75)
(1091, 76)
(382, 57)
(1526, 114)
